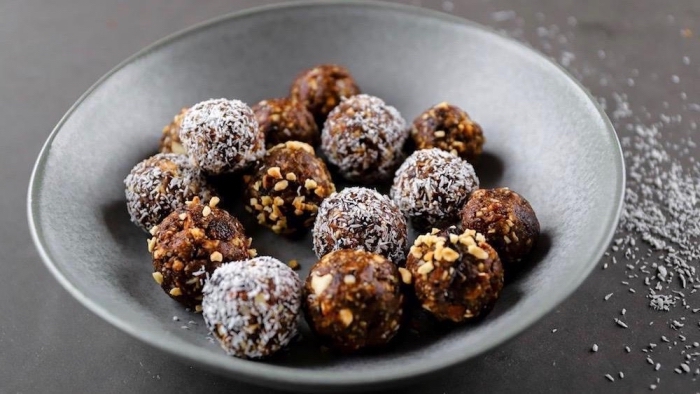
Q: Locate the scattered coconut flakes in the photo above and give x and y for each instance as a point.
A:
(660, 222)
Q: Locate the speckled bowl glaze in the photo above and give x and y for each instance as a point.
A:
(545, 138)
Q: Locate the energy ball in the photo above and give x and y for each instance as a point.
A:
(222, 136)
(288, 187)
(364, 138)
(321, 88)
(449, 128)
(170, 138)
(189, 244)
(352, 299)
(252, 306)
(456, 275)
(283, 120)
(360, 218)
(161, 184)
(506, 219)
(431, 187)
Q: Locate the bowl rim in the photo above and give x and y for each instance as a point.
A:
(281, 376)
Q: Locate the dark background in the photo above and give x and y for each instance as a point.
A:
(51, 52)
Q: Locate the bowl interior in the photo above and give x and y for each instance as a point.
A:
(545, 139)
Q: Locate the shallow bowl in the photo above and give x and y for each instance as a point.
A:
(546, 139)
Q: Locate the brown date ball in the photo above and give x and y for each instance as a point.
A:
(448, 127)
(170, 137)
(288, 187)
(321, 88)
(506, 219)
(189, 244)
(431, 187)
(161, 184)
(456, 275)
(283, 120)
(363, 137)
(352, 300)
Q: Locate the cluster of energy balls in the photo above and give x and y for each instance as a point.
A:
(356, 294)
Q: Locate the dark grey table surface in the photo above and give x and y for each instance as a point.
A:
(50, 52)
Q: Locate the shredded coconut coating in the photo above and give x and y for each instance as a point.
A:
(222, 136)
(363, 137)
(432, 186)
(160, 185)
(252, 306)
(360, 218)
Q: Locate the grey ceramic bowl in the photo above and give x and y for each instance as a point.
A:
(546, 139)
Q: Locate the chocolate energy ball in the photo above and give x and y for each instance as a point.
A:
(506, 219)
(321, 88)
(360, 218)
(190, 244)
(288, 187)
(161, 184)
(431, 187)
(456, 275)
(222, 136)
(252, 306)
(449, 128)
(352, 299)
(283, 120)
(170, 139)
(364, 137)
